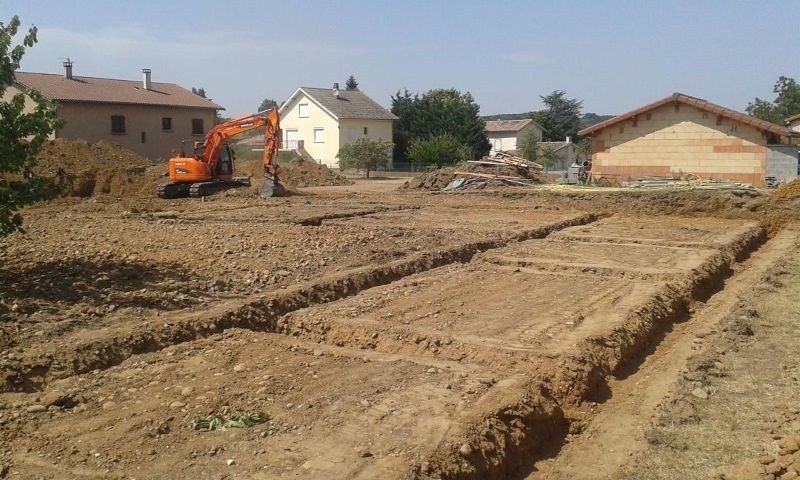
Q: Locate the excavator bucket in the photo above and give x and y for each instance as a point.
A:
(271, 188)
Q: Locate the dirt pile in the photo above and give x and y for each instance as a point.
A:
(85, 169)
(790, 190)
(302, 173)
(297, 173)
(439, 178)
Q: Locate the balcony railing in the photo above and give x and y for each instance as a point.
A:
(290, 144)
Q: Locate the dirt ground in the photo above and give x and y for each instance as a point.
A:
(387, 333)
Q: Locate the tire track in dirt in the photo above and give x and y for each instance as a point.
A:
(28, 374)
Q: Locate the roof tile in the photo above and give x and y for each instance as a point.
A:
(352, 104)
(58, 88)
(697, 102)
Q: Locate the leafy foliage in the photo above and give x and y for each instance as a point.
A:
(365, 154)
(199, 91)
(528, 146)
(785, 105)
(218, 422)
(440, 150)
(21, 134)
(266, 104)
(546, 157)
(351, 83)
(561, 116)
(436, 113)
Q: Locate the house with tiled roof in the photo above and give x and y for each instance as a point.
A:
(150, 118)
(680, 135)
(321, 120)
(505, 135)
(793, 122)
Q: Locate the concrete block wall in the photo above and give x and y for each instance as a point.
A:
(676, 140)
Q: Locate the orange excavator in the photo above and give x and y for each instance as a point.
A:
(210, 168)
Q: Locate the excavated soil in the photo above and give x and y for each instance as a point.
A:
(298, 173)
(386, 335)
(82, 169)
(790, 190)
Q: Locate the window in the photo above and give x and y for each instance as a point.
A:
(166, 124)
(197, 126)
(319, 135)
(365, 130)
(117, 124)
(144, 137)
(302, 110)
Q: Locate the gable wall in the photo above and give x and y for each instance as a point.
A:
(684, 141)
(317, 118)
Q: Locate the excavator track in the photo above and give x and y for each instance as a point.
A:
(173, 190)
(204, 189)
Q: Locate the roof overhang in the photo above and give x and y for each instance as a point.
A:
(310, 97)
(758, 123)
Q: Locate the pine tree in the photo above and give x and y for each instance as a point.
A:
(351, 83)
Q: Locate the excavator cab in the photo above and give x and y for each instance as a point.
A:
(225, 164)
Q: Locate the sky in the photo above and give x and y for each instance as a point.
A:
(613, 55)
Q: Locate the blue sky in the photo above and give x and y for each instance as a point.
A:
(614, 55)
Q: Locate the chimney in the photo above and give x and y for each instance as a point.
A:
(336, 90)
(146, 83)
(68, 69)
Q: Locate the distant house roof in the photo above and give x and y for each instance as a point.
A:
(551, 146)
(793, 118)
(696, 102)
(58, 88)
(350, 104)
(496, 126)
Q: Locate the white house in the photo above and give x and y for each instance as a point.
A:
(321, 120)
(505, 134)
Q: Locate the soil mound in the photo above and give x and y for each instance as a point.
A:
(302, 173)
(790, 190)
(82, 169)
(297, 173)
(439, 178)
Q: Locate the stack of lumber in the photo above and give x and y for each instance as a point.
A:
(505, 159)
(688, 181)
(473, 180)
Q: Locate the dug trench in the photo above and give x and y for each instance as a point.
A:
(31, 373)
(511, 355)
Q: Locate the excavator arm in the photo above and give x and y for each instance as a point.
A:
(218, 135)
(198, 175)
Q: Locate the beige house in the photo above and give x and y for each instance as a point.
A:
(321, 120)
(794, 122)
(150, 118)
(504, 135)
(682, 134)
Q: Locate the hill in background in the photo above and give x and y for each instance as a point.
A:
(587, 119)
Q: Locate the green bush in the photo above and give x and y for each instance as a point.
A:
(365, 154)
(440, 150)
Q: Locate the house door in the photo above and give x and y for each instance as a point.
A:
(292, 136)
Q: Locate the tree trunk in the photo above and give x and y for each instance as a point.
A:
(368, 173)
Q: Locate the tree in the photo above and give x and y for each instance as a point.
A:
(785, 105)
(546, 157)
(528, 146)
(351, 83)
(267, 104)
(21, 134)
(365, 154)
(561, 116)
(436, 113)
(439, 150)
(199, 91)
